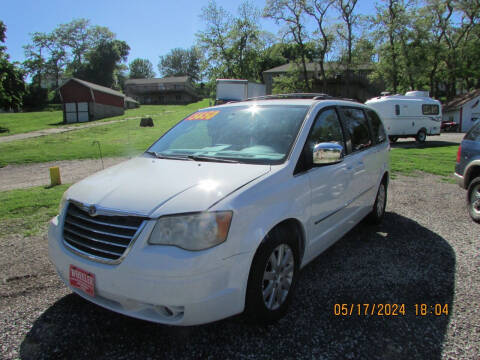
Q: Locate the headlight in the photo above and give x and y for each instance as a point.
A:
(193, 231)
(62, 202)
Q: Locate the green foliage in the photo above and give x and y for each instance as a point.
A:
(35, 98)
(233, 45)
(141, 69)
(76, 48)
(12, 86)
(124, 138)
(292, 82)
(182, 62)
(103, 63)
(27, 211)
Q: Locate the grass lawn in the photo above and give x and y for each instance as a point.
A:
(26, 211)
(18, 123)
(433, 160)
(119, 139)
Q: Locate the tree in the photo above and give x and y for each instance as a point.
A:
(141, 69)
(233, 46)
(214, 41)
(181, 62)
(318, 10)
(291, 13)
(12, 86)
(103, 63)
(388, 25)
(80, 38)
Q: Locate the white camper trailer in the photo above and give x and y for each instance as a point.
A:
(414, 114)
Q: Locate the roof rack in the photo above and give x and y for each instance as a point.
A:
(313, 96)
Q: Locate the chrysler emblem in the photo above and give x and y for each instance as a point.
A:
(92, 210)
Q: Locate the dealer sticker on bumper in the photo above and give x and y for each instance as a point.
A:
(82, 280)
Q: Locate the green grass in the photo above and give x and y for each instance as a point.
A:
(26, 211)
(18, 123)
(433, 160)
(125, 138)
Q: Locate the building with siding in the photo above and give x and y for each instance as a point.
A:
(463, 110)
(168, 90)
(84, 101)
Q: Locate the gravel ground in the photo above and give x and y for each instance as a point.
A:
(426, 251)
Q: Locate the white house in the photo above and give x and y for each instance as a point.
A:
(464, 110)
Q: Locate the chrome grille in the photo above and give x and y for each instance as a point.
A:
(103, 238)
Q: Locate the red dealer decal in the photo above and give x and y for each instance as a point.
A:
(202, 115)
(82, 280)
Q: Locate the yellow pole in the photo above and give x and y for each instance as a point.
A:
(55, 176)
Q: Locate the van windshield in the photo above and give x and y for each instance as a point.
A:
(252, 134)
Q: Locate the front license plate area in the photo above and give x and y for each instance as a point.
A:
(83, 280)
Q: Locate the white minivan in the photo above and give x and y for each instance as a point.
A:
(220, 214)
(414, 114)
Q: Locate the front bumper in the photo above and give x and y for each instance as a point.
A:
(460, 180)
(162, 284)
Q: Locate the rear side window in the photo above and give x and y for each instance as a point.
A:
(474, 133)
(379, 134)
(429, 109)
(357, 128)
(397, 110)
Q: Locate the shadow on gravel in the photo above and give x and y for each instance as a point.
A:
(426, 145)
(400, 262)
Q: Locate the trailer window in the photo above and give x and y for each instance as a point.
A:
(429, 109)
(397, 110)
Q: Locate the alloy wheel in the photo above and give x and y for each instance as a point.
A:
(278, 276)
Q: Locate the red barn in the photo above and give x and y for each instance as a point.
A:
(84, 101)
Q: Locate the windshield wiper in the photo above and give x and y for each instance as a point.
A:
(211, 158)
(170, 157)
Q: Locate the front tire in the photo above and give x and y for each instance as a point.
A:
(473, 199)
(273, 276)
(421, 136)
(378, 211)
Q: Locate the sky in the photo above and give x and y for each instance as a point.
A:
(150, 27)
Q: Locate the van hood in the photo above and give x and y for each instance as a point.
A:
(152, 187)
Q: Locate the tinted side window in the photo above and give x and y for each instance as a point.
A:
(474, 132)
(326, 128)
(397, 109)
(378, 130)
(357, 127)
(428, 109)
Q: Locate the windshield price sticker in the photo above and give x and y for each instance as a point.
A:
(202, 115)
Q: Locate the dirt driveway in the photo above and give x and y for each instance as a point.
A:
(71, 171)
(425, 252)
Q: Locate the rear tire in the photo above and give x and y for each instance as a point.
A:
(473, 199)
(273, 276)
(378, 211)
(421, 136)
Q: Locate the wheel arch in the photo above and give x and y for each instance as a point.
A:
(472, 172)
(297, 228)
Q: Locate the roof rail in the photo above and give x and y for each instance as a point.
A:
(314, 96)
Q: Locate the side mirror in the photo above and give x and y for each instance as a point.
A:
(327, 153)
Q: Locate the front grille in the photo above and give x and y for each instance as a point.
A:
(104, 237)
